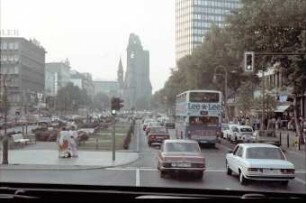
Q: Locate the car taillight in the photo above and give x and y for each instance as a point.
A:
(287, 171)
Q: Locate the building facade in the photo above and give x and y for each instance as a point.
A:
(59, 76)
(137, 85)
(110, 88)
(23, 68)
(193, 19)
(83, 81)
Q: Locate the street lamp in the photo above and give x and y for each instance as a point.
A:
(225, 88)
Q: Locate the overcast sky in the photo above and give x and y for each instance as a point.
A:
(93, 34)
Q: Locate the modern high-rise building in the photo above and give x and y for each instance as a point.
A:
(193, 19)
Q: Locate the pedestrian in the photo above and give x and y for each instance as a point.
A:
(64, 144)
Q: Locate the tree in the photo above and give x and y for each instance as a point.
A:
(245, 98)
(70, 98)
(101, 101)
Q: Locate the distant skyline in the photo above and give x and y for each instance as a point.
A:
(93, 34)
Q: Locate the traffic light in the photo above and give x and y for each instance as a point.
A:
(113, 105)
(116, 104)
(249, 61)
(120, 104)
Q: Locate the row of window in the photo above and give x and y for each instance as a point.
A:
(9, 45)
(10, 70)
(215, 3)
(212, 10)
(9, 58)
(208, 17)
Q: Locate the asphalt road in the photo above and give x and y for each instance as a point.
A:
(143, 173)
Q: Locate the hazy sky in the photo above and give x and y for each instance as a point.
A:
(93, 34)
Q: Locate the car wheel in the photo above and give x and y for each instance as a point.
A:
(228, 170)
(242, 179)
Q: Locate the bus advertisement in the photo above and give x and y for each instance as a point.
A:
(199, 116)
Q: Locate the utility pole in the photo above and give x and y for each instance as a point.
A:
(263, 100)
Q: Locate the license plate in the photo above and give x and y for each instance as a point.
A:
(203, 141)
(182, 165)
(273, 171)
(159, 137)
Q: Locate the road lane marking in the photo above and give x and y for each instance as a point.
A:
(300, 180)
(137, 177)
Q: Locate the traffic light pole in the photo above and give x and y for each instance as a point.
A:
(114, 140)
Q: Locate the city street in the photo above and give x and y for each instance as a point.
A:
(143, 172)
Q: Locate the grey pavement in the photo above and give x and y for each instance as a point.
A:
(49, 159)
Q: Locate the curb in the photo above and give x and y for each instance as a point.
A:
(49, 167)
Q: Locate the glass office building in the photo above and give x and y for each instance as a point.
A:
(193, 19)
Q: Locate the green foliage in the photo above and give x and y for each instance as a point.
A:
(260, 26)
(101, 101)
(70, 98)
(245, 98)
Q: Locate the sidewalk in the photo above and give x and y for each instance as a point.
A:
(292, 142)
(49, 160)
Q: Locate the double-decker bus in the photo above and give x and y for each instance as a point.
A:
(199, 116)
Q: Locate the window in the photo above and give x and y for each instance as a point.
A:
(239, 152)
(204, 97)
(206, 121)
(264, 153)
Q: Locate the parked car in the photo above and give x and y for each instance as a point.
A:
(242, 133)
(266, 136)
(224, 130)
(157, 135)
(181, 156)
(254, 161)
(232, 129)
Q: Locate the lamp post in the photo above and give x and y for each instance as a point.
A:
(225, 87)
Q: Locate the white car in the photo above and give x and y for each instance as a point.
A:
(230, 131)
(242, 133)
(254, 161)
(225, 130)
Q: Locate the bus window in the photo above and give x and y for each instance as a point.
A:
(206, 121)
(209, 97)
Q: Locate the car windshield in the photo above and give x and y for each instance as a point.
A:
(85, 83)
(264, 153)
(182, 147)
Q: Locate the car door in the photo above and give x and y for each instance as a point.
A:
(159, 155)
(230, 157)
(237, 159)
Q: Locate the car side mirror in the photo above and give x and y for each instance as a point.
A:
(230, 151)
